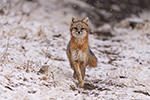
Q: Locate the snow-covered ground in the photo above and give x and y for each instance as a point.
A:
(39, 38)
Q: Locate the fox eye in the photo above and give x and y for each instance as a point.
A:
(76, 28)
(82, 28)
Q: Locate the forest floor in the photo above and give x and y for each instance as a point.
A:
(39, 37)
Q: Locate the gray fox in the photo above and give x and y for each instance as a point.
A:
(78, 50)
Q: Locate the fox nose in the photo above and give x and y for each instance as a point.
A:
(78, 32)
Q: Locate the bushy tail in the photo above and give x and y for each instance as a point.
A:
(92, 62)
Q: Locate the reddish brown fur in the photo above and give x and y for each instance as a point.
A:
(81, 47)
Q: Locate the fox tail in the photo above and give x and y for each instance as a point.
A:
(92, 62)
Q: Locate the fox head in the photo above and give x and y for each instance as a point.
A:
(79, 29)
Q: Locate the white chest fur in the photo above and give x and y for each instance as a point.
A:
(79, 55)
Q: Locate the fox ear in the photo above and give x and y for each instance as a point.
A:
(85, 20)
(74, 19)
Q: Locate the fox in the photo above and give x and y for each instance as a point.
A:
(78, 50)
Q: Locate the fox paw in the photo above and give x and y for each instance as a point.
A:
(81, 84)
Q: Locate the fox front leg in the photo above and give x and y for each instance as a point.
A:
(79, 75)
(83, 64)
(83, 71)
(75, 75)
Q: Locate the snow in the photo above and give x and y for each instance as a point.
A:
(28, 42)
